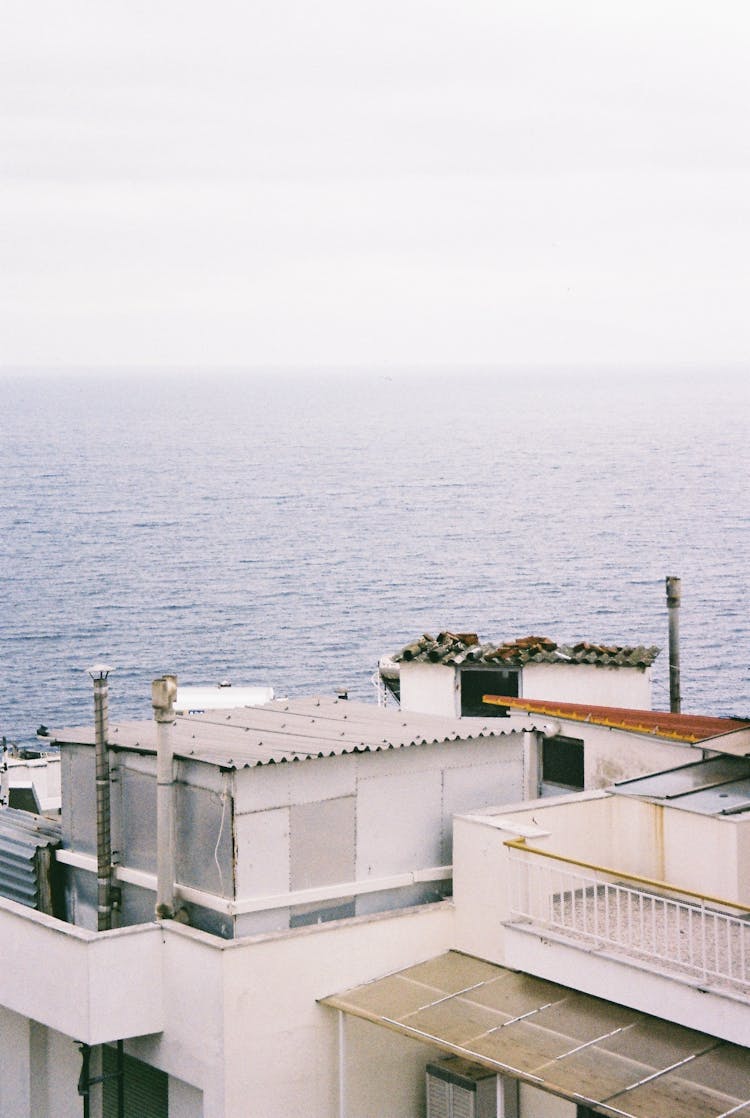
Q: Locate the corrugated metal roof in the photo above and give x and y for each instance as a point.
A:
(593, 1052)
(663, 724)
(21, 836)
(466, 648)
(293, 730)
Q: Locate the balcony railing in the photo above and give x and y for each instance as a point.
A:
(671, 929)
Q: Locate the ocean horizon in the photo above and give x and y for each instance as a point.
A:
(290, 527)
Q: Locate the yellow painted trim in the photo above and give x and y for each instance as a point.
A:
(520, 844)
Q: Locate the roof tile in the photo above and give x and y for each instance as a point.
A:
(458, 648)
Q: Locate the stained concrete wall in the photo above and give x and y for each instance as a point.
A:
(430, 689)
(435, 688)
(588, 683)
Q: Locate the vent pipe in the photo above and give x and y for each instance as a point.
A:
(673, 605)
(99, 674)
(163, 694)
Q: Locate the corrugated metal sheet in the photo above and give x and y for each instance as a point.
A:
(593, 1052)
(660, 723)
(465, 648)
(294, 730)
(22, 836)
(719, 786)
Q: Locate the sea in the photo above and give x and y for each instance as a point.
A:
(290, 527)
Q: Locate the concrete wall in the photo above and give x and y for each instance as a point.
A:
(611, 755)
(384, 1073)
(39, 1070)
(95, 987)
(435, 688)
(430, 688)
(701, 853)
(588, 683)
(243, 1025)
(684, 1001)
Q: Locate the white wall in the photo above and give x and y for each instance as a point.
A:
(538, 1104)
(39, 1070)
(384, 1072)
(281, 1046)
(701, 853)
(95, 987)
(588, 683)
(480, 860)
(430, 688)
(611, 754)
(684, 1001)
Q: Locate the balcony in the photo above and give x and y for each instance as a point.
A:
(664, 929)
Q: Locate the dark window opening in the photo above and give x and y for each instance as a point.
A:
(562, 762)
(146, 1088)
(476, 682)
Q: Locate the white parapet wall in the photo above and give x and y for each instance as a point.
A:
(430, 688)
(94, 987)
(588, 683)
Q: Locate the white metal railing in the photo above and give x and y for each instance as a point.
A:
(694, 936)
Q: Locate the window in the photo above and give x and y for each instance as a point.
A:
(476, 682)
(562, 764)
(146, 1088)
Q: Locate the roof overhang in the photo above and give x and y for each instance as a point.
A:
(600, 1054)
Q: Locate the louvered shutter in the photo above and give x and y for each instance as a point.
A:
(146, 1088)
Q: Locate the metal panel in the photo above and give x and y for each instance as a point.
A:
(616, 1060)
(322, 843)
(398, 823)
(480, 786)
(263, 839)
(714, 787)
(79, 799)
(24, 841)
(138, 823)
(203, 840)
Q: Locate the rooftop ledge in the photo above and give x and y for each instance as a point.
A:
(92, 986)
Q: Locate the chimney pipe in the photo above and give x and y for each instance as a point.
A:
(673, 605)
(99, 674)
(163, 693)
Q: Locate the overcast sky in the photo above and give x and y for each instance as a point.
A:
(346, 182)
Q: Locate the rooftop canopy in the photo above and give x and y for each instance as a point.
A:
(597, 1053)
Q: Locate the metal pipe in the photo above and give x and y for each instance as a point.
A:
(673, 605)
(99, 674)
(163, 693)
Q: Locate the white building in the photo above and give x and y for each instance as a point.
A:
(451, 673)
(315, 857)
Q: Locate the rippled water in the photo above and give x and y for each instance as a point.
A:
(289, 529)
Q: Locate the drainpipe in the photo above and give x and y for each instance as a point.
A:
(163, 693)
(673, 605)
(532, 769)
(99, 674)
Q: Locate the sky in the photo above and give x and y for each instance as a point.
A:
(357, 183)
